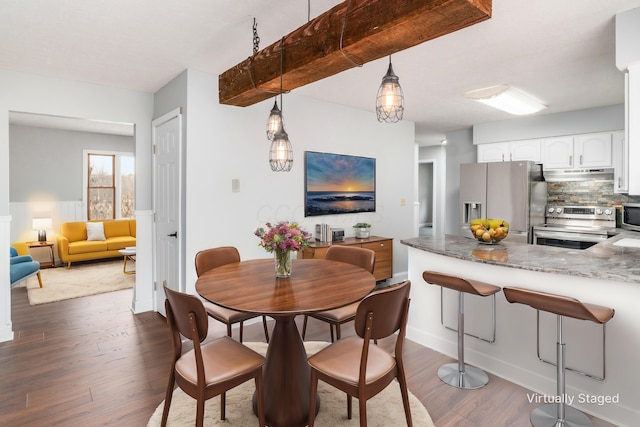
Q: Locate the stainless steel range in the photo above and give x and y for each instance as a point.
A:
(575, 227)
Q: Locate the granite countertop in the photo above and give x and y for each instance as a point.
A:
(604, 261)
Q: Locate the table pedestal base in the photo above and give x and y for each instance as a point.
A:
(286, 377)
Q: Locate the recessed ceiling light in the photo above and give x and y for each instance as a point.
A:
(506, 98)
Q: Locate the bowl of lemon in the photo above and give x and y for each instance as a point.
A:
(489, 231)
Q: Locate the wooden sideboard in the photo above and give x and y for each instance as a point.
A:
(382, 246)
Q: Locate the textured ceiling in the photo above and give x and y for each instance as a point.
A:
(562, 52)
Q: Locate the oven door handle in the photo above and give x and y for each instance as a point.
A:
(558, 235)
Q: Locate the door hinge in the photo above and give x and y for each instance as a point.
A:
(155, 149)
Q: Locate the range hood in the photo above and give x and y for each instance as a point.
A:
(564, 175)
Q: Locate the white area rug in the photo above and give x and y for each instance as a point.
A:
(383, 410)
(80, 280)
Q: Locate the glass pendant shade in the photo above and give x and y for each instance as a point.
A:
(274, 121)
(281, 152)
(390, 99)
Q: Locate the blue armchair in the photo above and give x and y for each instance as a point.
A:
(22, 267)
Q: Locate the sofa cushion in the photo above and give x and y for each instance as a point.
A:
(117, 243)
(116, 228)
(95, 231)
(87, 246)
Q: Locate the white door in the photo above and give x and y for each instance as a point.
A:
(167, 173)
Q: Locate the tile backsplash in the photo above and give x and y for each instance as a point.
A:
(585, 193)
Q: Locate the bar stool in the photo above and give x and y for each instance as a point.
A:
(459, 374)
(559, 414)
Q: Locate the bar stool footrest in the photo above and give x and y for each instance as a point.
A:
(471, 378)
(547, 416)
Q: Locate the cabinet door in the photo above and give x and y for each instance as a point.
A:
(593, 150)
(493, 152)
(557, 153)
(384, 254)
(620, 163)
(525, 150)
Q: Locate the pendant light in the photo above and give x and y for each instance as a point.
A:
(281, 152)
(274, 121)
(390, 99)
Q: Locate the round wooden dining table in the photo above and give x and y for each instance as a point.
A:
(314, 285)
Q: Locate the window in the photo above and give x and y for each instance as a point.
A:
(110, 184)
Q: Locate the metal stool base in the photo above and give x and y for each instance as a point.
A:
(547, 416)
(471, 378)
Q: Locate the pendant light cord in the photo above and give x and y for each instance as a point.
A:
(344, 24)
(281, 70)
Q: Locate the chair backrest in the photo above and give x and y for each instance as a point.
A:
(389, 306)
(360, 257)
(215, 257)
(178, 306)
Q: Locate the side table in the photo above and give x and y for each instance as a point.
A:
(129, 253)
(49, 245)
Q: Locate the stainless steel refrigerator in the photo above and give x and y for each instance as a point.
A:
(512, 191)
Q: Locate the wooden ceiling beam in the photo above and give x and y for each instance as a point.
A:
(374, 29)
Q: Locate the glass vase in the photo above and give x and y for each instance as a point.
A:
(283, 262)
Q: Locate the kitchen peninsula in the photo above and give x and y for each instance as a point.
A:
(605, 274)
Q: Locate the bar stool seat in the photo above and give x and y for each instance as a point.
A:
(459, 374)
(559, 414)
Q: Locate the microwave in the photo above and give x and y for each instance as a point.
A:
(631, 216)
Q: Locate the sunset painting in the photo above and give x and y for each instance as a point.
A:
(338, 183)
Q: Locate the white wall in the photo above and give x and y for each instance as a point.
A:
(226, 142)
(24, 92)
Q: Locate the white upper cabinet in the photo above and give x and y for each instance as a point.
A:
(593, 150)
(510, 151)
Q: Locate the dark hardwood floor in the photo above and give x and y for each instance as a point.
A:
(91, 362)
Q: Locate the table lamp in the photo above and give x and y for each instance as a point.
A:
(41, 225)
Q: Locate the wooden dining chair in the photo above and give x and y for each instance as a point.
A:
(360, 257)
(210, 369)
(358, 368)
(215, 257)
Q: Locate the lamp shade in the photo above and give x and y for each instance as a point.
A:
(390, 99)
(281, 152)
(274, 121)
(42, 224)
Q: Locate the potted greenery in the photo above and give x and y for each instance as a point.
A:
(362, 230)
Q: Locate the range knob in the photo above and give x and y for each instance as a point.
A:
(598, 211)
(558, 210)
(608, 212)
(551, 210)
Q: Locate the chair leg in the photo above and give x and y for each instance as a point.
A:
(167, 399)
(223, 406)
(362, 406)
(304, 326)
(260, 399)
(405, 395)
(241, 330)
(266, 330)
(312, 397)
(331, 329)
(200, 412)
(39, 279)
(349, 406)
(338, 332)
(229, 330)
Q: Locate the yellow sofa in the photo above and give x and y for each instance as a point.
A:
(74, 246)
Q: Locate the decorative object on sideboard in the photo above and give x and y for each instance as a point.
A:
(362, 230)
